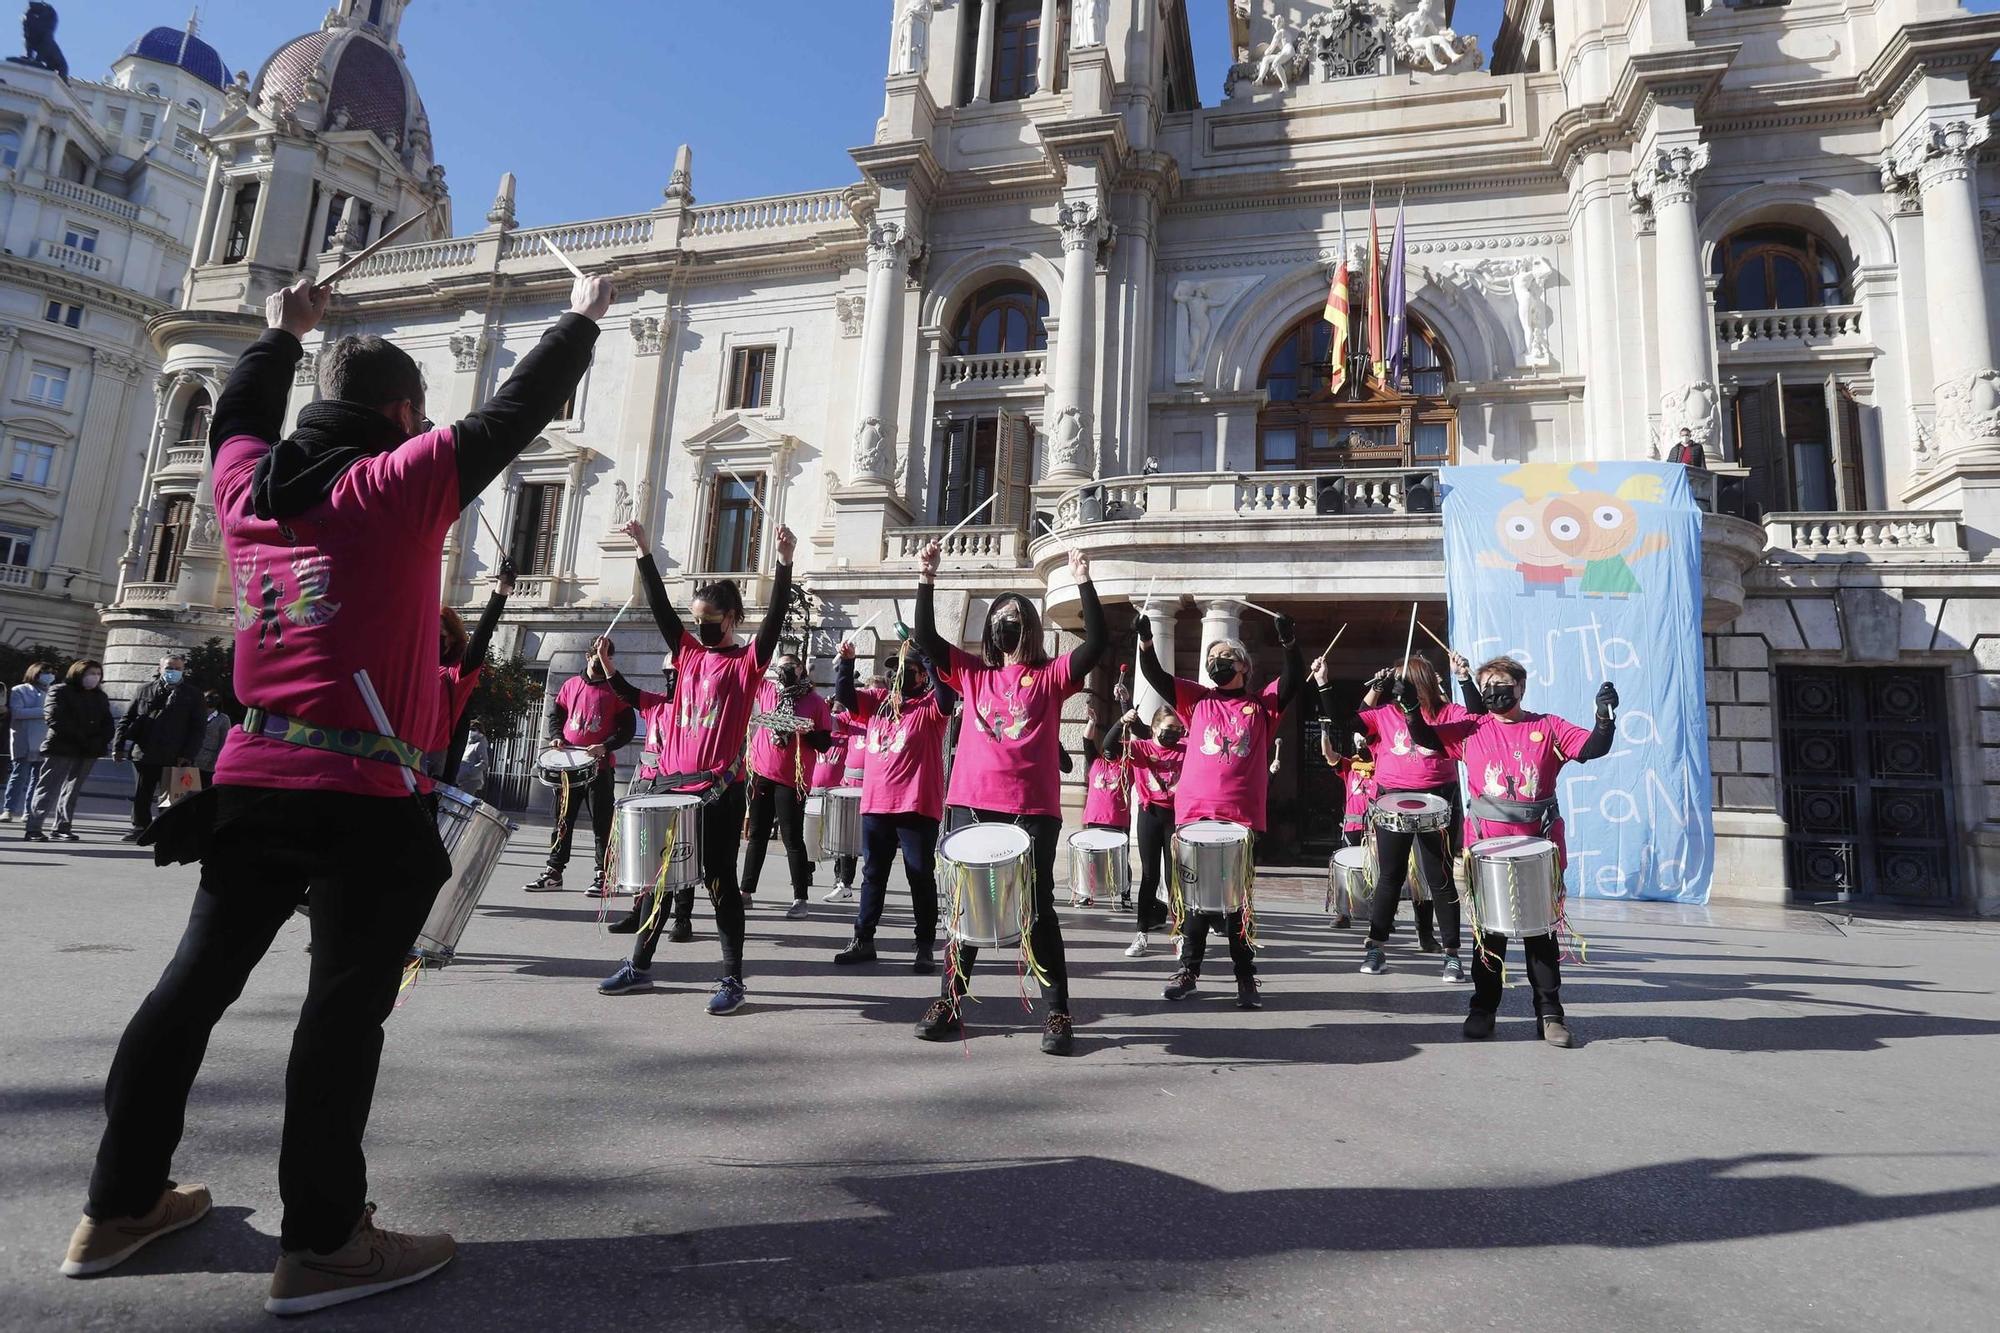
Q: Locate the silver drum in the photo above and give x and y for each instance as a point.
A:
(840, 824)
(1515, 886)
(1350, 882)
(1410, 812)
(1099, 863)
(815, 834)
(474, 834)
(988, 872)
(1212, 865)
(656, 834)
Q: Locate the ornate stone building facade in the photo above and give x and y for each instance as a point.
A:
(1065, 285)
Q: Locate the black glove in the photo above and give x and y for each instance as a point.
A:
(1288, 632)
(1145, 628)
(1406, 696)
(1380, 682)
(508, 569)
(1607, 699)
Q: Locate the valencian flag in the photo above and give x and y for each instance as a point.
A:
(1374, 292)
(1336, 315)
(1398, 312)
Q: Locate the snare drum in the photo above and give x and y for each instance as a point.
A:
(655, 833)
(840, 822)
(1099, 863)
(1350, 882)
(815, 821)
(1515, 884)
(561, 763)
(474, 834)
(989, 871)
(1410, 812)
(1212, 863)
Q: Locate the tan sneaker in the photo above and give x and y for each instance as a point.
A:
(103, 1243)
(372, 1262)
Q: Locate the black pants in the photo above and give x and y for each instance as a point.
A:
(1392, 868)
(881, 837)
(1156, 831)
(1045, 931)
(843, 870)
(721, 831)
(1544, 973)
(374, 865)
(145, 786)
(1426, 913)
(777, 803)
(1194, 942)
(601, 795)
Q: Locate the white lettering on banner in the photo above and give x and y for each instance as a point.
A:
(1594, 653)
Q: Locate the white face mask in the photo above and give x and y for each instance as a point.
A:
(90, 680)
(45, 680)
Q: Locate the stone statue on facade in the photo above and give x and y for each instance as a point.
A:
(1281, 55)
(206, 535)
(38, 38)
(1092, 16)
(1526, 281)
(1968, 409)
(913, 38)
(1066, 442)
(871, 450)
(621, 504)
(1693, 408)
(1424, 38)
(1197, 302)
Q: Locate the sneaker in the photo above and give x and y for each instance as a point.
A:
(599, 889)
(1454, 970)
(1181, 986)
(925, 963)
(1246, 994)
(33, 834)
(628, 924)
(797, 910)
(727, 997)
(371, 1263)
(940, 1022)
(1089, 900)
(839, 893)
(68, 835)
(102, 1243)
(7, 816)
(857, 951)
(682, 932)
(129, 835)
(1058, 1035)
(1138, 947)
(1556, 1033)
(1124, 902)
(1343, 922)
(625, 980)
(549, 881)
(1373, 960)
(1479, 1025)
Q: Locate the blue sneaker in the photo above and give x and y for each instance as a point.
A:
(728, 997)
(625, 980)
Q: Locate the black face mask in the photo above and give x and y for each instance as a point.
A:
(789, 678)
(1006, 635)
(710, 633)
(1500, 698)
(1171, 736)
(911, 683)
(1222, 671)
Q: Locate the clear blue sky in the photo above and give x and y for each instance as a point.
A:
(586, 101)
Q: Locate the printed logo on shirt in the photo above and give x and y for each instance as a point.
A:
(265, 603)
(1213, 742)
(704, 711)
(885, 737)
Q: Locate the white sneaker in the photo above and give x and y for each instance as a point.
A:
(5, 817)
(839, 893)
(1137, 948)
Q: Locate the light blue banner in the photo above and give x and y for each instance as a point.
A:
(1590, 572)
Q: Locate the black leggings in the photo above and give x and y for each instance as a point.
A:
(721, 831)
(1156, 831)
(1045, 933)
(601, 795)
(1544, 973)
(777, 803)
(1425, 912)
(1194, 936)
(1434, 853)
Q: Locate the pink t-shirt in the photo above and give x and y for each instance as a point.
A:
(1512, 761)
(350, 585)
(1401, 764)
(830, 767)
(591, 712)
(1359, 779)
(458, 683)
(903, 772)
(704, 728)
(1156, 770)
(1104, 802)
(1227, 774)
(1007, 745)
(786, 761)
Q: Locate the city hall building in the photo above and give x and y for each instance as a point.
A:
(1065, 280)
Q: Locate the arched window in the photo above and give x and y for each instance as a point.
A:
(194, 419)
(1002, 317)
(1778, 267)
(1311, 424)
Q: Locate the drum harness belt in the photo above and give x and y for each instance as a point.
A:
(350, 741)
(1503, 811)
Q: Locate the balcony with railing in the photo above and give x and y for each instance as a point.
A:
(989, 547)
(1920, 536)
(20, 576)
(774, 217)
(189, 458)
(122, 209)
(152, 596)
(86, 262)
(995, 370)
(1750, 333)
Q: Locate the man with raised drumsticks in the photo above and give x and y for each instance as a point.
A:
(334, 536)
(1512, 758)
(587, 715)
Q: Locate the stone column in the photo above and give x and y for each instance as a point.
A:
(1221, 619)
(219, 242)
(1163, 614)
(1942, 157)
(99, 440)
(1072, 452)
(1664, 182)
(1545, 42)
(889, 251)
(1045, 56)
(982, 58)
(321, 215)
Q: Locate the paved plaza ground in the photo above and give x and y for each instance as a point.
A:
(1775, 1120)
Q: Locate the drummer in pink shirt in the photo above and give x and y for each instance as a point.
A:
(781, 778)
(587, 715)
(1157, 754)
(1227, 772)
(831, 770)
(1007, 767)
(1512, 758)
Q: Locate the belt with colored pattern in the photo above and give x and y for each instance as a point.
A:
(353, 743)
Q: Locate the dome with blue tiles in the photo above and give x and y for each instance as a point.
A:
(180, 47)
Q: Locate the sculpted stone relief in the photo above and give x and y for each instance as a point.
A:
(1355, 39)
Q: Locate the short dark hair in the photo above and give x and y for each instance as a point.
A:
(371, 371)
(723, 595)
(1507, 667)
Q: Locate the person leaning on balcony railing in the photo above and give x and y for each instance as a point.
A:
(1687, 451)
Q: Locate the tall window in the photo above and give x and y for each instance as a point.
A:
(169, 539)
(981, 456)
(1017, 43)
(79, 237)
(47, 384)
(1007, 316)
(1777, 268)
(1309, 424)
(10, 148)
(240, 219)
(194, 419)
(17, 544)
(536, 521)
(751, 372)
(114, 119)
(1800, 437)
(33, 462)
(735, 524)
(70, 316)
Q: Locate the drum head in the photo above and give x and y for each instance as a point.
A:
(816, 803)
(670, 801)
(560, 757)
(1212, 831)
(1515, 847)
(1097, 840)
(843, 793)
(452, 795)
(987, 845)
(1411, 803)
(1354, 858)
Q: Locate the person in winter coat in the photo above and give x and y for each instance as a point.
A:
(26, 703)
(163, 728)
(78, 714)
(214, 730)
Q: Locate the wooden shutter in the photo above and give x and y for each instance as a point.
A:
(1850, 483)
(756, 518)
(767, 363)
(1012, 446)
(1761, 449)
(548, 518)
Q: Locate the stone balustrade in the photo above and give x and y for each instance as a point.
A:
(1816, 326)
(185, 457)
(992, 370)
(424, 257)
(1886, 535)
(581, 238)
(151, 595)
(773, 213)
(995, 545)
(89, 198)
(19, 576)
(69, 257)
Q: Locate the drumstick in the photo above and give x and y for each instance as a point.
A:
(1435, 639)
(621, 614)
(1409, 641)
(368, 251)
(562, 258)
(1240, 601)
(1151, 584)
(849, 636)
(984, 505)
(748, 487)
(381, 718)
(1330, 645)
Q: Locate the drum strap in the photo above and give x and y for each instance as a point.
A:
(1502, 811)
(353, 743)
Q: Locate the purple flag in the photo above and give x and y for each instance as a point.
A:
(1397, 307)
